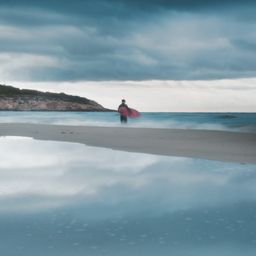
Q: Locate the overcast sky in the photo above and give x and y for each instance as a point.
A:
(59, 41)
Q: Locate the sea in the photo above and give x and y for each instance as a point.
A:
(63, 199)
(237, 122)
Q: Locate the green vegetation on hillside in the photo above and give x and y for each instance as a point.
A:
(12, 92)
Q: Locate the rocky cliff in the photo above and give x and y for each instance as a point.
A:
(12, 98)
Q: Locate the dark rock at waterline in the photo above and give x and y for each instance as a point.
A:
(227, 116)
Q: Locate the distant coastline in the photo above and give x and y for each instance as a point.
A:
(15, 99)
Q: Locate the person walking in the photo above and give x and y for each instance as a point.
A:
(123, 110)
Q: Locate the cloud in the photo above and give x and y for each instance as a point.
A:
(130, 40)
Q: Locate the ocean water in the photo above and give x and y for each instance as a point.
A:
(241, 122)
(62, 199)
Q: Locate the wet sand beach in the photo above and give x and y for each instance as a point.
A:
(212, 145)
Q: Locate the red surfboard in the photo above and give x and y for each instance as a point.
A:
(132, 113)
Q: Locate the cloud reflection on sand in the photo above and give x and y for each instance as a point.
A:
(54, 174)
(62, 199)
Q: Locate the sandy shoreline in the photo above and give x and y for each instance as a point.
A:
(212, 145)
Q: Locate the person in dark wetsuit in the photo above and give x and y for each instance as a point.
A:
(122, 109)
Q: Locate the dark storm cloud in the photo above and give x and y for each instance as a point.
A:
(82, 5)
(127, 40)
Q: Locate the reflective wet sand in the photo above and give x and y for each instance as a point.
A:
(62, 198)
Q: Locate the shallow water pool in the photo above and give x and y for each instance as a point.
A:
(62, 198)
